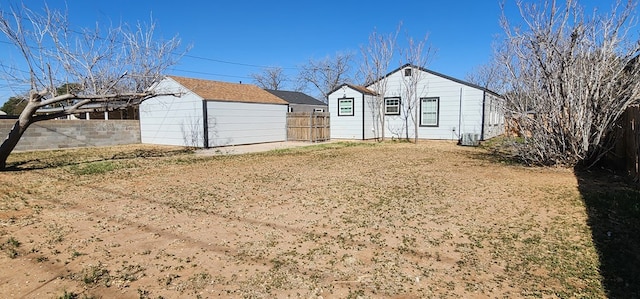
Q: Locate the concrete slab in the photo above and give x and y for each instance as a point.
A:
(253, 148)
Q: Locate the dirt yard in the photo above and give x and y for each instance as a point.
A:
(341, 220)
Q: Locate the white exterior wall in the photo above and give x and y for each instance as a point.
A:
(460, 110)
(460, 107)
(235, 123)
(494, 117)
(471, 116)
(369, 120)
(348, 127)
(172, 120)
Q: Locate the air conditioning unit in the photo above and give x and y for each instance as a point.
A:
(470, 139)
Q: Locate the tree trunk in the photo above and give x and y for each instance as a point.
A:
(416, 126)
(406, 126)
(382, 120)
(11, 141)
(24, 121)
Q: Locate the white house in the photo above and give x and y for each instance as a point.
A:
(205, 113)
(411, 99)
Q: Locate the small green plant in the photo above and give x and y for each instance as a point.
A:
(357, 294)
(69, 295)
(74, 295)
(144, 294)
(99, 167)
(95, 274)
(13, 242)
(76, 254)
(168, 279)
(11, 247)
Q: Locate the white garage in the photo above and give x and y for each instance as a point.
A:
(205, 113)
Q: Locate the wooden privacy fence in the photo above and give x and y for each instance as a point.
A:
(308, 126)
(629, 146)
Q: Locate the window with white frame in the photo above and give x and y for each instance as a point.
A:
(345, 107)
(392, 106)
(429, 112)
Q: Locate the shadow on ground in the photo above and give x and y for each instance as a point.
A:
(613, 207)
(60, 158)
(612, 203)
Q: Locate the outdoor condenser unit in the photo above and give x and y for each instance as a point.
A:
(470, 139)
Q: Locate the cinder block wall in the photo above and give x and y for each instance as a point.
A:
(56, 134)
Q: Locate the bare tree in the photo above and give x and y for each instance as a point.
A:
(487, 75)
(270, 78)
(110, 68)
(326, 74)
(577, 72)
(377, 57)
(416, 56)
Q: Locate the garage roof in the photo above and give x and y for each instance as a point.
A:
(228, 92)
(296, 97)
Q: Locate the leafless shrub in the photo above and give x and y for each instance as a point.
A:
(570, 75)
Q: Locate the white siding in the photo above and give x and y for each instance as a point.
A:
(460, 107)
(460, 110)
(369, 131)
(346, 126)
(234, 123)
(172, 120)
(494, 117)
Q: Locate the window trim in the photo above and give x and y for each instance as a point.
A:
(386, 106)
(437, 100)
(345, 100)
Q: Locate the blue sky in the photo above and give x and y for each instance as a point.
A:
(232, 39)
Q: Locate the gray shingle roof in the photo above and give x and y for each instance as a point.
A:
(295, 97)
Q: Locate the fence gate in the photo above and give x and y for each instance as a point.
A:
(308, 126)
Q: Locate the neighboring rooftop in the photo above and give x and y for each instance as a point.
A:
(228, 92)
(362, 89)
(296, 97)
(358, 88)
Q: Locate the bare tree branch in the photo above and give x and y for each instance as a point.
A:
(576, 72)
(488, 76)
(270, 78)
(110, 68)
(377, 58)
(417, 55)
(326, 74)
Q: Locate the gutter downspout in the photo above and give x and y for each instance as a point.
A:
(364, 130)
(484, 100)
(460, 116)
(205, 122)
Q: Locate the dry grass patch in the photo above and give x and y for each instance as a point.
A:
(341, 220)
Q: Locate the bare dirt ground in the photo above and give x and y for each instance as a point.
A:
(341, 220)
